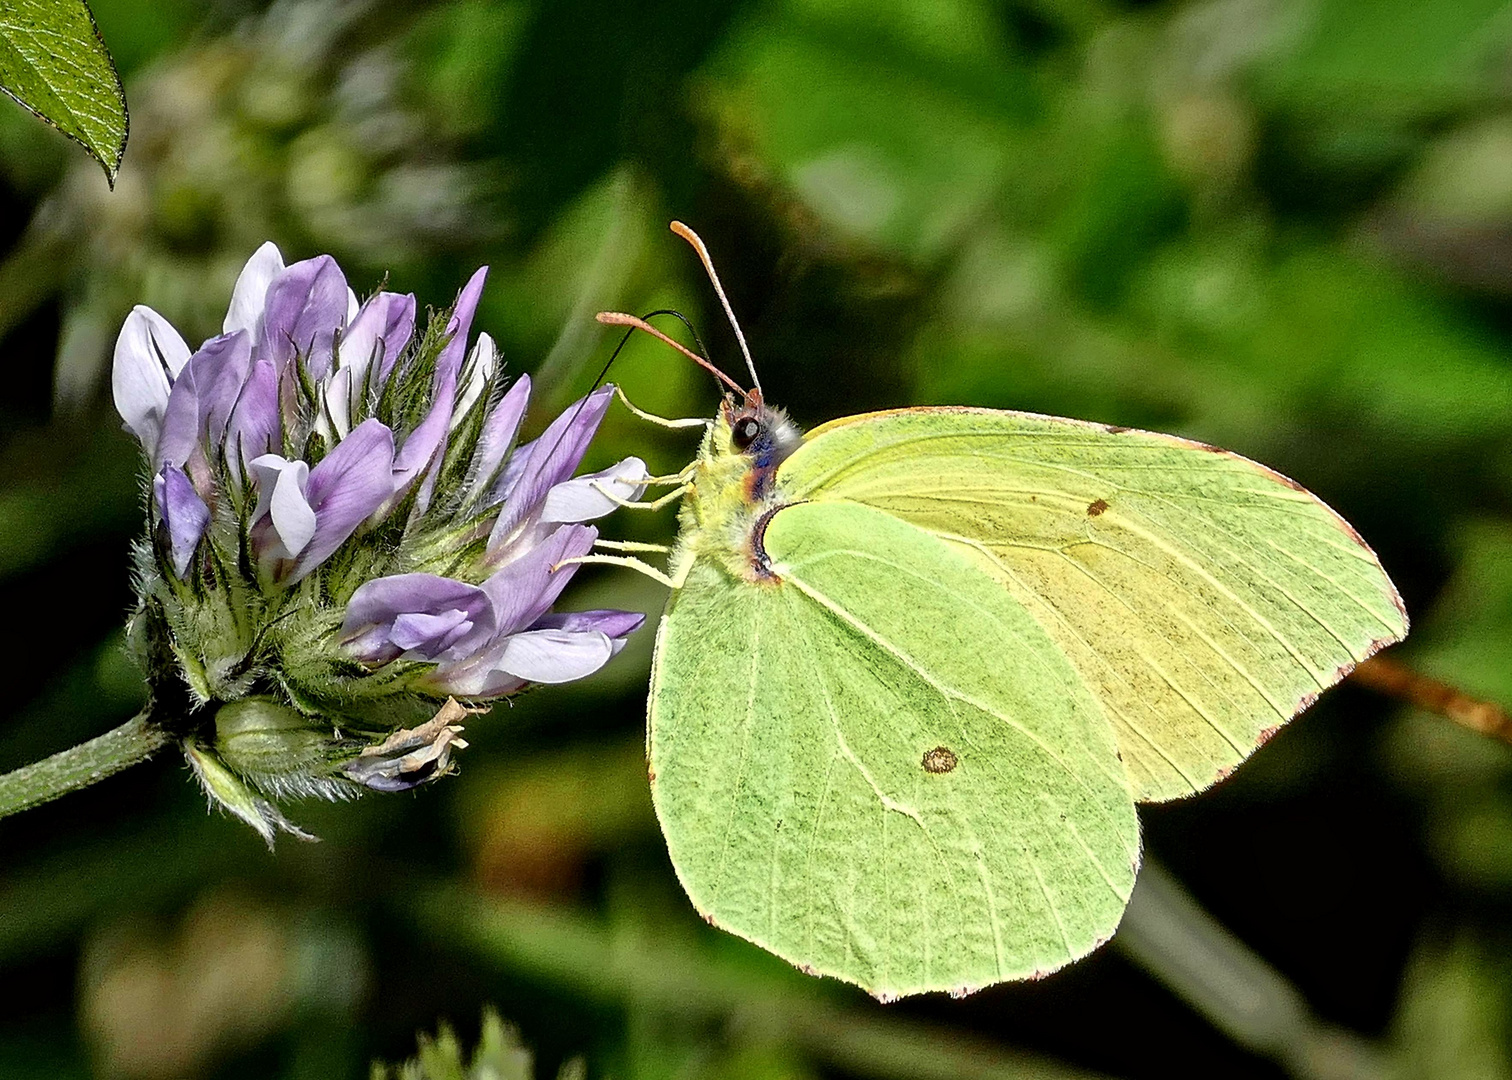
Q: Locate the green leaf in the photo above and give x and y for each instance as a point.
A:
(53, 61)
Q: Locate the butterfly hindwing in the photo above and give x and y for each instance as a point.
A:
(1203, 598)
(880, 767)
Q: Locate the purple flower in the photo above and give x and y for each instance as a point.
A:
(494, 638)
(149, 354)
(305, 514)
(183, 514)
(354, 494)
(419, 617)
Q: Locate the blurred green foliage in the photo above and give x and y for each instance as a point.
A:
(499, 1056)
(1283, 226)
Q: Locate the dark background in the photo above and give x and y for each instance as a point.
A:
(1282, 226)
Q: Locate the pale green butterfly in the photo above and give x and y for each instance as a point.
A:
(918, 666)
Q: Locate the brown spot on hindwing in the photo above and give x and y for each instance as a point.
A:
(1096, 507)
(942, 759)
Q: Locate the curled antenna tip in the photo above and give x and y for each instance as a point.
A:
(708, 263)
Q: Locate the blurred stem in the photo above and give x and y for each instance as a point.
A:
(79, 766)
(1168, 933)
(627, 968)
(31, 273)
(1395, 679)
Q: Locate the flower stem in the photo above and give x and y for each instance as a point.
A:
(79, 766)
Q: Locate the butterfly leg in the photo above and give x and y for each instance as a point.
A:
(673, 479)
(654, 504)
(661, 421)
(631, 545)
(629, 563)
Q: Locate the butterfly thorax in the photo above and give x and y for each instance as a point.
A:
(735, 489)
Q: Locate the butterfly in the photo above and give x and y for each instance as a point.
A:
(918, 667)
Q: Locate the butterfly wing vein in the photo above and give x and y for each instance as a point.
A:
(1203, 598)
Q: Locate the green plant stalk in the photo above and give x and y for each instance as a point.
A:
(578, 951)
(79, 766)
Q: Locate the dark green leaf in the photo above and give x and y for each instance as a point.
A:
(53, 61)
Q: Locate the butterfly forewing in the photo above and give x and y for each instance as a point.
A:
(879, 766)
(1203, 599)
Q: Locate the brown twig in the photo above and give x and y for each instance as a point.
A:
(1395, 679)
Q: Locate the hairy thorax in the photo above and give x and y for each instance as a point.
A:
(735, 491)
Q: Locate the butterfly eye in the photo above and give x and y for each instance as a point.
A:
(745, 431)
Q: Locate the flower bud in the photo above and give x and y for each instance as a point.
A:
(279, 751)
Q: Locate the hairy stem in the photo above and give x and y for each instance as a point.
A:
(79, 766)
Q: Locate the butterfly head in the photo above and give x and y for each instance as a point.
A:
(761, 433)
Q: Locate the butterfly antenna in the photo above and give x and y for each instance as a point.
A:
(680, 317)
(619, 318)
(604, 371)
(703, 254)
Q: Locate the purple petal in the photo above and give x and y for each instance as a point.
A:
(382, 328)
(425, 445)
(203, 395)
(472, 680)
(351, 482)
(553, 656)
(250, 295)
(552, 458)
(581, 498)
(382, 599)
(475, 374)
(546, 656)
(499, 433)
(427, 616)
(307, 304)
(149, 354)
(612, 624)
(449, 362)
(430, 635)
(253, 428)
(525, 589)
(184, 514)
(284, 521)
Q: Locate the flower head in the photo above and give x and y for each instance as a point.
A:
(344, 530)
